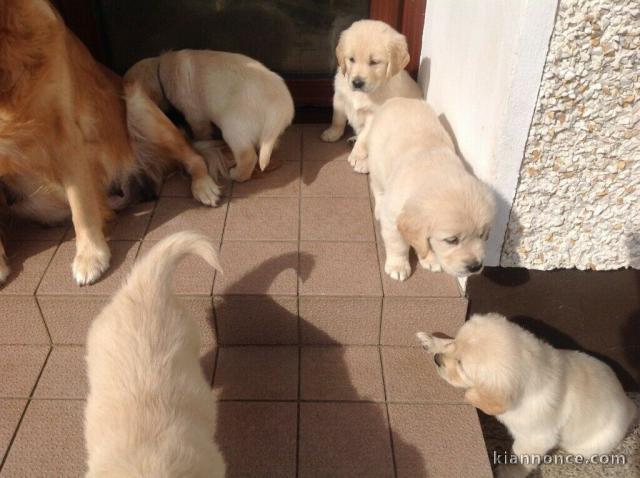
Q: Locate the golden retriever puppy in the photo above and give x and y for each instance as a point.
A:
(69, 133)
(250, 104)
(371, 57)
(150, 411)
(424, 196)
(546, 397)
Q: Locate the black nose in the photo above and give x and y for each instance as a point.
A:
(357, 83)
(474, 266)
(437, 358)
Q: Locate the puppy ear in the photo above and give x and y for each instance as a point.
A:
(398, 55)
(414, 229)
(491, 402)
(340, 54)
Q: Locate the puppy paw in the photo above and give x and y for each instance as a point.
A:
(206, 191)
(430, 263)
(425, 339)
(352, 139)
(90, 263)
(5, 270)
(239, 175)
(331, 134)
(398, 269)
(359, 163)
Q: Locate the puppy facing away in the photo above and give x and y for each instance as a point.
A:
(424, 196)
(546, 397)
(70, 132)
(248, 102)
(150, 412)
(371, 57)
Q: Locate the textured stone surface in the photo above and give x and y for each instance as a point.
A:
(577, 203)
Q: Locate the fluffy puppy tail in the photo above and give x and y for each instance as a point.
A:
(151, 276)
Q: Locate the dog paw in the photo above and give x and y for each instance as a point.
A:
(5, 270)
(399, 269)
(359, 163)
(89, 265)
(425, 339)
(430, 264)
(352, 139)
(331, 134)
(206, 191)
(239, 175)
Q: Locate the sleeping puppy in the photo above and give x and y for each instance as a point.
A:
(546, 397)
(424, 196)
(371, 57)
(248, 102)
(70, 133)
(150, 412)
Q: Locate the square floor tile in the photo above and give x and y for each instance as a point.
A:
(410, 376)
(28, 261)
(281, 182)
(21, 322)
(64, 375)
(257, 438)
(175, 214)
(10, 413)
(21, 366)
(131, 223)
(344, 440)
(289, 145)
(262, 219)
(340, 320)
(58, 279)
(23, 230)
(438, 440)
(336, 219)
(403, 317)
(193, 276)
(339, 269)
(314, 149)
(341, 373)
(68, 317)
(257, 268)
(332, 179)
(251, 320)
(256, 373)
(50, 441)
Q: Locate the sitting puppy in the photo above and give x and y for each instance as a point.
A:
(424, 196)
(546, 397)
(150, 412)
(70, 133)
(249, 103)
(371, 57)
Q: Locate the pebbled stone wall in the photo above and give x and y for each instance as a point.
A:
(577, 202)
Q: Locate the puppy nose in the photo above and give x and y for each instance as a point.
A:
(437, 358)
(357, 83)
(474, 266)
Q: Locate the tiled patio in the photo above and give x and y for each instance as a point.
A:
(311, 348)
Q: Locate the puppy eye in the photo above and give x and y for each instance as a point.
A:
(452, 240)
(352, 60)
(373, 62)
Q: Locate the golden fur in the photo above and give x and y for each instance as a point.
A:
(67, 134)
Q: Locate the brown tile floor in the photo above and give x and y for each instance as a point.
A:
(310, 351)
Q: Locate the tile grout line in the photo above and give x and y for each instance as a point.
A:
(44, 272)
(386, 406)
(24, 412)
(46, 327)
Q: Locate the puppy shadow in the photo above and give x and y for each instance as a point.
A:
(256, 436)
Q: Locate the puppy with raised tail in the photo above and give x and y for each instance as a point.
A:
(371, 60)
(150, 412)
(546, 397)
(424, 196)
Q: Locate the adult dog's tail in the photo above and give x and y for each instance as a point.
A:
(152, 276)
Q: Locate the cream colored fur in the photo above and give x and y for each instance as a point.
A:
(150, 411)
(374, 53)
(249, 103)
(546, 397)
(424, 196)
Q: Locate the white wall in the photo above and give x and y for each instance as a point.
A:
(481, 65)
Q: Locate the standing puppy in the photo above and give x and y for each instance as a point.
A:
(424, 196)
(546, 397)
(150, 412)
(371, 57)
(248, 102)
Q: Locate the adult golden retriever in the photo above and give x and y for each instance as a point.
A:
(69, 131)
